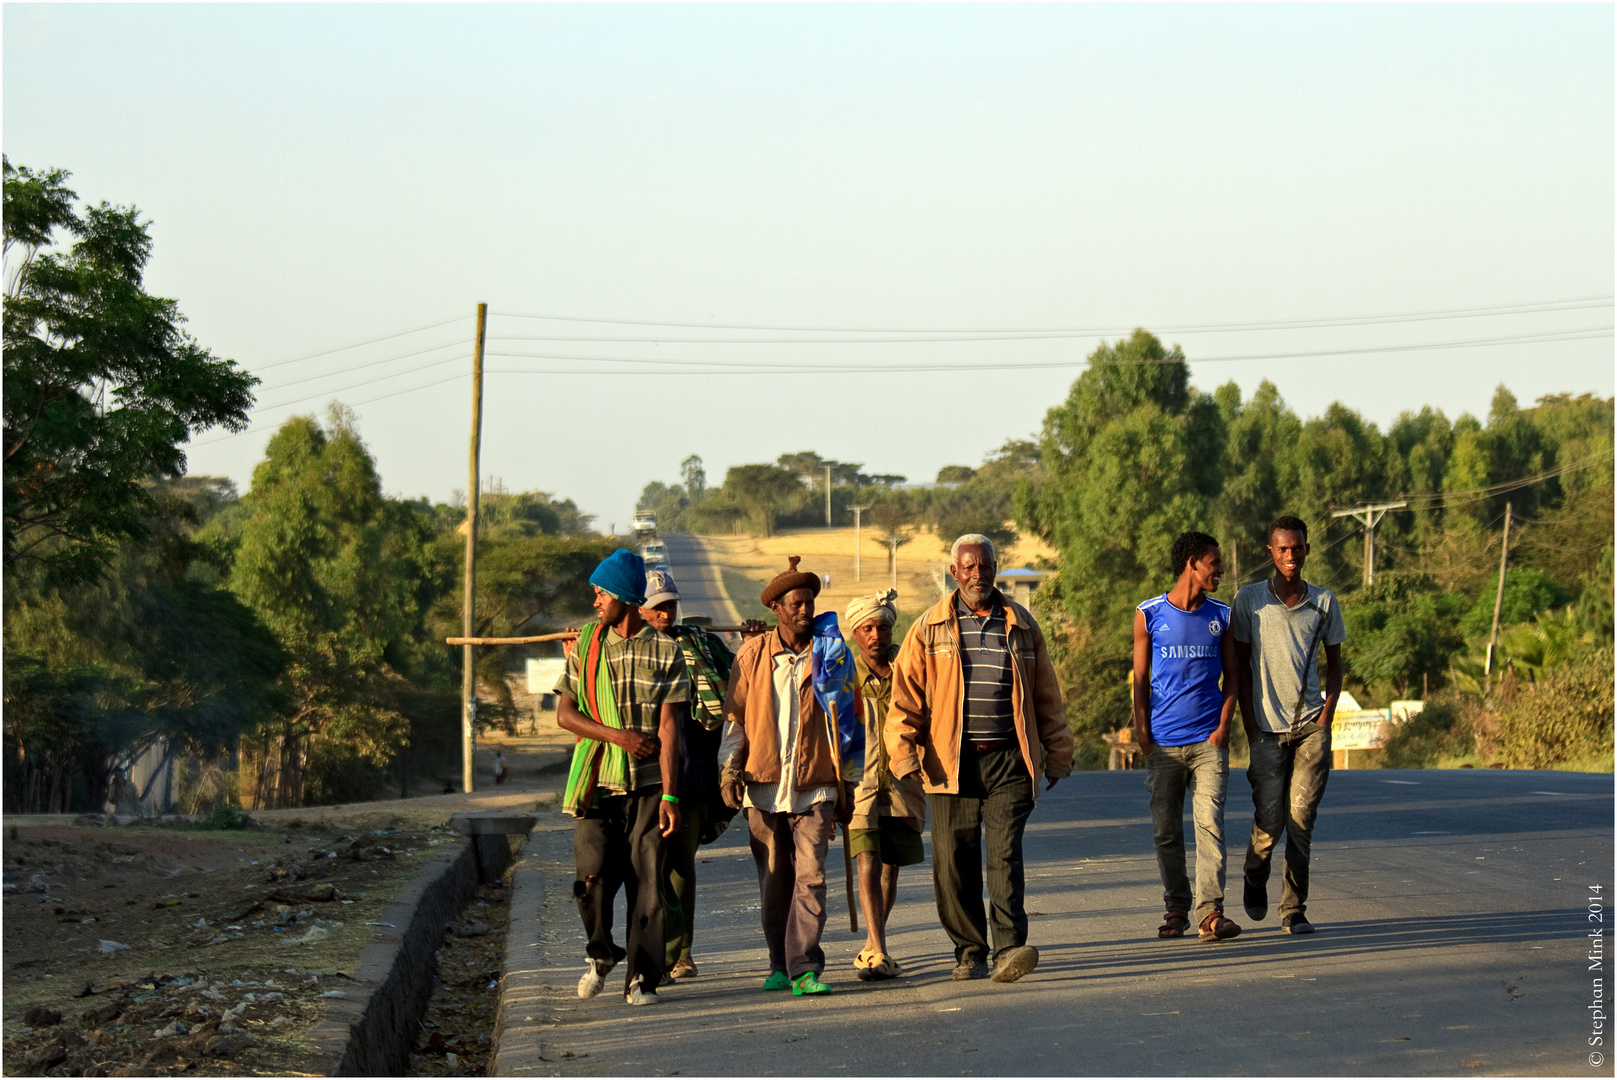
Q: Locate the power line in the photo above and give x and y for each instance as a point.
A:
(357, 344)
(362, 401)
(941, 336)
(759, 367)
(1574, 304)
(357, 385)
(367, 364)
(1451, 498)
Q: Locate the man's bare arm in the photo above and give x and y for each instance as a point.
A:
(1333, 684)
(1243, 688)
(570, 719)
(1226, 653)
(1142, 684)
(668, 813)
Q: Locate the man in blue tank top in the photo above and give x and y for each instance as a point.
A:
(1182, 647)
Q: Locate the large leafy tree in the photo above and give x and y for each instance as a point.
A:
(96, 671)
(342, 577)
(1131, 459)
(102, 384)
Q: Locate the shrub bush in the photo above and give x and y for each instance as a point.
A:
(1565, 717)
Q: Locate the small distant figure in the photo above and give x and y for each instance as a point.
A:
(501, 769)
(449, 787)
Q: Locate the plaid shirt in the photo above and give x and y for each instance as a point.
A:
(648, 672)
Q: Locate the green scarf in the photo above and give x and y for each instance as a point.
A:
(710, 663)
(594, 763)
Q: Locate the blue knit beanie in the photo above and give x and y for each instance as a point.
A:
(622, 574)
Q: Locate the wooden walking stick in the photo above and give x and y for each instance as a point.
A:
(847, 862)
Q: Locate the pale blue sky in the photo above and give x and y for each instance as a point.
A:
(321, 175)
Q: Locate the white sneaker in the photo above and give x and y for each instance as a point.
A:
(594, 977)
(637, 996)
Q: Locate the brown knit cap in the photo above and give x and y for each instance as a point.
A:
(791, 579)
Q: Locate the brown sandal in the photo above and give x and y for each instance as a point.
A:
(1215, 927)
(1174, 924)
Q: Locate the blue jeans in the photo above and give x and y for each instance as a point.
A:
(1205, 770)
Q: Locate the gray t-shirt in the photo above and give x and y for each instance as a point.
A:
(1280, 637)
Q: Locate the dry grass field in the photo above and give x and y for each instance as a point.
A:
(921, 563)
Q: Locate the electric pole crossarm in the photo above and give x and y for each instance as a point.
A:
(1370, 515)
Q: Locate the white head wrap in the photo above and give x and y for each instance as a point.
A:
(881, 605)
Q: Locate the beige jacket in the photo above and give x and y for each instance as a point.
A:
(878, 793)
(925, 725)
(750, 702)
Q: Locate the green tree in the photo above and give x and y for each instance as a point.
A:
(339, 575)
(763, 492)
(1132, 459)
(1259, 466)
(102, 386)
(524, 583)
(97, 671)
(1401, 631)
(694, 477)
(1527, 592)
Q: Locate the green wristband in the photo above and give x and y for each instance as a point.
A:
(671, 798)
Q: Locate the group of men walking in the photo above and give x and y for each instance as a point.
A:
(805, 729)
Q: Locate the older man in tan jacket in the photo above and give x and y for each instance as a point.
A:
(977, 716)
(777, 760)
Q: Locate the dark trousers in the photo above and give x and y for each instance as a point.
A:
(996, 797)
(619, 843)
(679, 882)
(790, 852)
(1288, 776)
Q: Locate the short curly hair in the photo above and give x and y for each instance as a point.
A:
(1190, 545)
(1287, 523)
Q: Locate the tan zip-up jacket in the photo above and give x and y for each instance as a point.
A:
(750, 702)
(925, 725)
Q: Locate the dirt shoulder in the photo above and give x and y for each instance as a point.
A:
(147, 950)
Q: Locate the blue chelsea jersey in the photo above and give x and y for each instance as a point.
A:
(1185, 669)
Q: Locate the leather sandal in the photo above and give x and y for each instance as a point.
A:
(1174, 924)
(873, 966)
(1215, 927)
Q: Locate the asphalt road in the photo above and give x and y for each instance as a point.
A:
(701, 591)
(1452, 907)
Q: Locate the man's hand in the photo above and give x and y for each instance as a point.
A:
(731, 788)
(639, 746)
(1051, 781)
(845, 805)
(1220, 737)
(1142, 739)
(668, 817)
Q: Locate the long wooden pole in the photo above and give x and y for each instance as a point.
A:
(468, 677)
(1498, 603)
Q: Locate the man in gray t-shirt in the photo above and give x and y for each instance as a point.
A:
(1280, 625)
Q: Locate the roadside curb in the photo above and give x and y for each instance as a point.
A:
(369, 1032)
(518, 1050)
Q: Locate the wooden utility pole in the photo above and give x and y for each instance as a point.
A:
(1370, 515)
(892, 558)
(1498, 604)
(828, 496)
(857, 510)
(468, 677)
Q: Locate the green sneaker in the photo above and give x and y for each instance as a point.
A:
(809, 983)
(777, 981)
